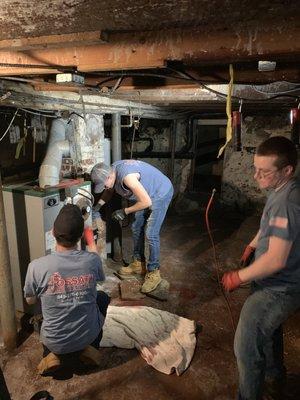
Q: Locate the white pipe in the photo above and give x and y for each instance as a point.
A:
(57, 148)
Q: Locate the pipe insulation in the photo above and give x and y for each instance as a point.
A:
(58, 147)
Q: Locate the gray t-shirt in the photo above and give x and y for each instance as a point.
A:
(65, 282)
(281, 218)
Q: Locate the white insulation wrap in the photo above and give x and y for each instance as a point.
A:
(57, 148)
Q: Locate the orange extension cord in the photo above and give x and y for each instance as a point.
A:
(216, 262)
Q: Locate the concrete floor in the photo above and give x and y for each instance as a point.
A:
(187, 264)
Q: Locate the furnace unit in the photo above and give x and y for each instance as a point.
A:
(30, 214)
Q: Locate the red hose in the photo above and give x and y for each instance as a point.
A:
(216, 262)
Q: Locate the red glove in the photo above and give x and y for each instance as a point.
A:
(246, 257)
(89, 236)
(231, 280)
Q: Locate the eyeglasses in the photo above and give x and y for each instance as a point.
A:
(263, 173)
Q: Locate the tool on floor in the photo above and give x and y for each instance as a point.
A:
(216, 262)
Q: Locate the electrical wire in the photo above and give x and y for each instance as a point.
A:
(187, 77)
(200, 83)
(132, 141)
(116, 85)
(216, 262)
(10, 124)
(276, 93)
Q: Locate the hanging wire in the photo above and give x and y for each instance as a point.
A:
(200, 83)
(116, 85)
(10, 124)
(132, 140)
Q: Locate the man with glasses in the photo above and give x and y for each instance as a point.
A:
(274, 274)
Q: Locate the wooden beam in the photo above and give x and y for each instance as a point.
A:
(22, 94)
(144, 50)
(54, 87)
(54, 41)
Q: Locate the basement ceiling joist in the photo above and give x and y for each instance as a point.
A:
(128, 48)
(24, 96)
(144, 50)
(53, 41)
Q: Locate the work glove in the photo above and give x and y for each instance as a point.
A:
(119, 215)
(97, 207)
(247, 256)
(231, 280)
(89, 236)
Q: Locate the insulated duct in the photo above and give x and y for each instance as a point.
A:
(58, 147)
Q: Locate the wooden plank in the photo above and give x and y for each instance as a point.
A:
(51, 41)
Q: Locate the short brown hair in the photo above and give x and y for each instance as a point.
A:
(283, 148)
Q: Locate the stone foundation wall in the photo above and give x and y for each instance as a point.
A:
(238, 185)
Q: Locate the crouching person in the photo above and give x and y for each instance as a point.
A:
(65, 283)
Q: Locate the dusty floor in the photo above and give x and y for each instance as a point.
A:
(187, 264)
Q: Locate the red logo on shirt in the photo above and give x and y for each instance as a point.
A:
(58, 284)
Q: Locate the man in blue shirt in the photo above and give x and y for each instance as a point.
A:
(151, 192)
(65, 283)
(275, 272)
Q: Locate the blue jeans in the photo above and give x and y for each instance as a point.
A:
(147, 223)
(258, 342)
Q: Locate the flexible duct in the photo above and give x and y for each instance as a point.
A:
(57, 148)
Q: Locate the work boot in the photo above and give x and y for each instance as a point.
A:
(135, 267)
(152, 280)
(90, 356)
(50, 363)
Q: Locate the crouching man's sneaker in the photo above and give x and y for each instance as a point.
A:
(152, 280)
(135, 267)
(90, 356)
(50, 363)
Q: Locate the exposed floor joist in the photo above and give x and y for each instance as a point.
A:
(53, 41)
(21, 95)
(144, 50)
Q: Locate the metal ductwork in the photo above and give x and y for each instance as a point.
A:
(58, 147)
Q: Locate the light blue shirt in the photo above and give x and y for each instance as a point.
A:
(156, 184)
